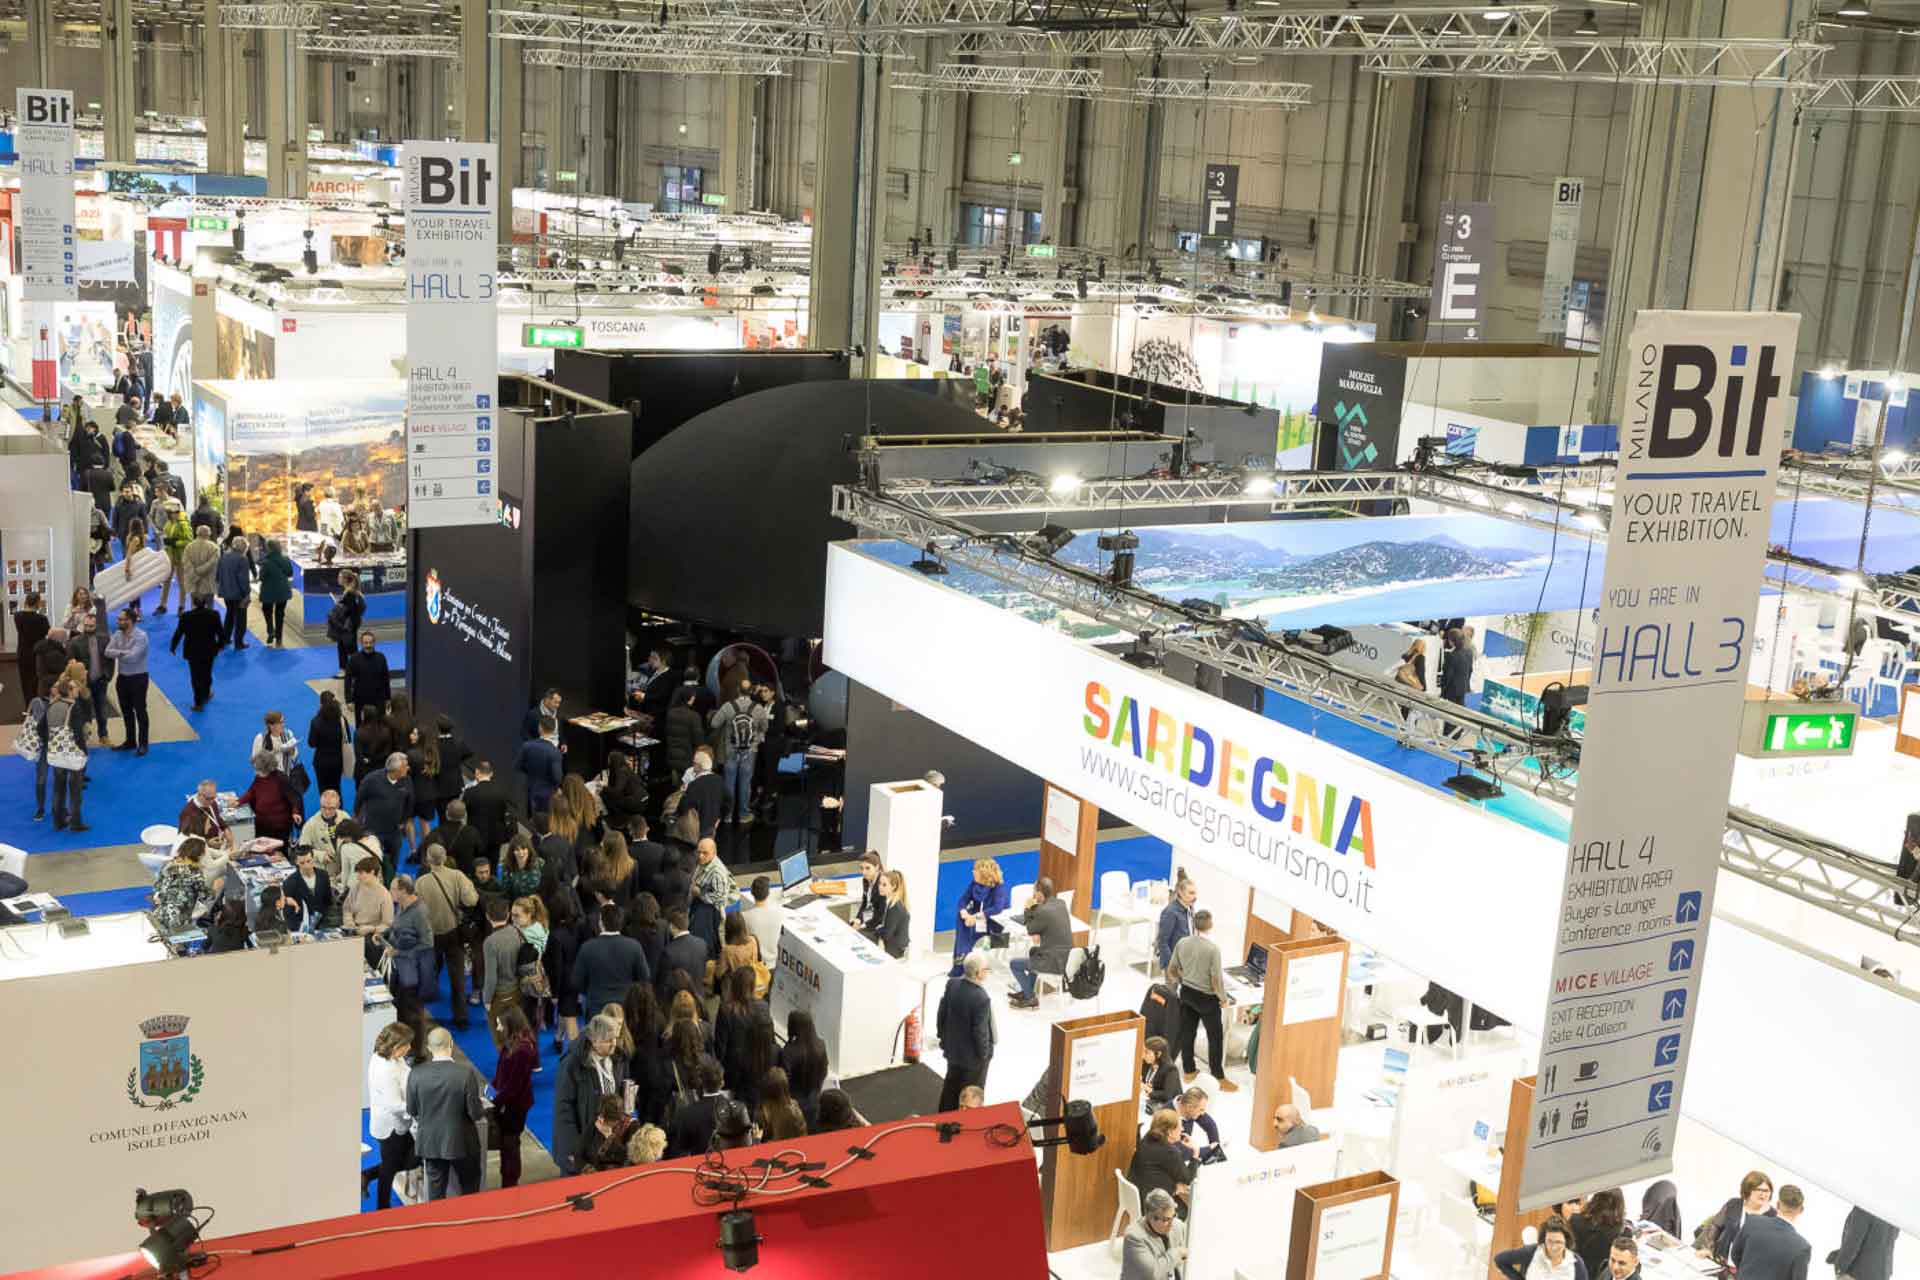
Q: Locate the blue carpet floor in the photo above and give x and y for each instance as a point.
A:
(127, 793)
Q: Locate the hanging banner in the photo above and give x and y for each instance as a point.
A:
(1359, 405)
(1218, 200)
(1462, 250)
(43, 142)
(1699, 451)
(1563, 237)
(453, 338)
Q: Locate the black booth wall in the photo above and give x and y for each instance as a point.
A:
(674, 386)
(527, 608)
(1233, 432)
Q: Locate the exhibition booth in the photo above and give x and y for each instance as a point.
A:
(1842, 410)
(233, 1084)
(1374, 859)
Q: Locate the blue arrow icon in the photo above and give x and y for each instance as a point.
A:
(1666, 1051)
(1680, 956)
(1660, 1095)
(1688, 909)
(1673, 1005)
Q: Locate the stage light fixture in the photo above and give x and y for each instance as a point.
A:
(1258, 486)
(1893, 458)
(168, 1216)
(1122, 546)
(1049, 538)
(1828, 372)
(1587, 26)
(739, 1240)
(1063, 484)
(927, 564)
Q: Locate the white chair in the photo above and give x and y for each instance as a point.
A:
(1058, 981)
(1299, 1097)
(13, 861)
(1066, 900)
(1018, 897)
(1128, 1212)
(1471, 1233)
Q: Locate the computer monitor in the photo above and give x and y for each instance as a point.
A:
(794, 870)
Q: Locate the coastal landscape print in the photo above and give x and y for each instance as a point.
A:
(1292, 574)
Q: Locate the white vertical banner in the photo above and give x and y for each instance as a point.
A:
(453, 342)
(1563, 237)
(1699, 451)
(43, 140)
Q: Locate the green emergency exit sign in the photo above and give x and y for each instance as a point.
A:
(206, 222)
(1798, 728)
(552, 335)
(715, 199)
(1042, 250)
(1821, 731)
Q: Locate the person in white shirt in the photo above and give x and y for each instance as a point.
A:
(764, 918)
(387, 1118)
(1552, 1259)
(275, 741)
(328, 515)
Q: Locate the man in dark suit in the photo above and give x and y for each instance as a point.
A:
(539, 764)
(369, 681)
(1456, 667)
(30, 627)
(458, 838)
(1047, 922)
(198, 633)
(683, 951)
(383, 803)
(606, 967)
(690, 1132)
(548, 708)
(648, 856)
(489, 809)
(444, 1097)
(1770, 1248)
(1866, 1248)
(593, 1069)
(707, 792)
(965, 1020)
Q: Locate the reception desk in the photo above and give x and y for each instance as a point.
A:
(855, 991)
(383, 581)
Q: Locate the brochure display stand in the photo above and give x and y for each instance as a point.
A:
(1343, 1230)
(1095, 1060)
(1301, 1013)
(1907, 736)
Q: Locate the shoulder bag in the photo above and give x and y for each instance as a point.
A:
(32, 738)
(63, 749)
(531, 973)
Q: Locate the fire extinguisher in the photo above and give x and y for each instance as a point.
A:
(911, 1026)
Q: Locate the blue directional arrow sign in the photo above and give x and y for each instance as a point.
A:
(1680, 956)
(1673, 1005)
(1666, 1051)
(1660, 1095)
(1688, 909)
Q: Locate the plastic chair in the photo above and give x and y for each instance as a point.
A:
(1019, 897)
(1129, 1212)
(1119, 903)
(1463, 1222)
(1299, 1097)
(1066, 900)
(1058, 981)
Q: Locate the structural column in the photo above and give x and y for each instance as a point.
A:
(223, 94)
(493, 101)
(739, 141)
(41, 31)
(843, 308)
(119, 104)
(286, 123)
(1709, 172)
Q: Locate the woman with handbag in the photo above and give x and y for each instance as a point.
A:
(276, 809)
(274, 740)
(1412, 672)
(65, 747)
(31, 744)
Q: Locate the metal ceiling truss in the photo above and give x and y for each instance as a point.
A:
(1291, 95)
(981, 77)
(1884, 94)
(381, 45)
(1797, 863)
(1743, 63)
(300, 15)
(1850, 479)
(614, 35)
(1097, 15)
(682, 63)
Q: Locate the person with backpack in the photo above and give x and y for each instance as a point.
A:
(1051, 928)
(741, 726)
(343, 619)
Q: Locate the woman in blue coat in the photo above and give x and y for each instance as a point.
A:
(985, 898)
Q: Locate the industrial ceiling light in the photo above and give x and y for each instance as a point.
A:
(1063, 484)
(1853, 9)
(1893, 458)
(1258, 486)
(1587, 26)
(739, 1239)
(1497, 15)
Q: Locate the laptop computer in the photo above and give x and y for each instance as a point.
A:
(1254, 971)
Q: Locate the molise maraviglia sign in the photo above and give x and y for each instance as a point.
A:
(1386, 861)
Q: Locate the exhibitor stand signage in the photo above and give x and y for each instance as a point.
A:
(1699, 451)
(1217, 202)
(1563, 238)
(1359, 407)
(43, 140)
(452, 339)
(1462, 250)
